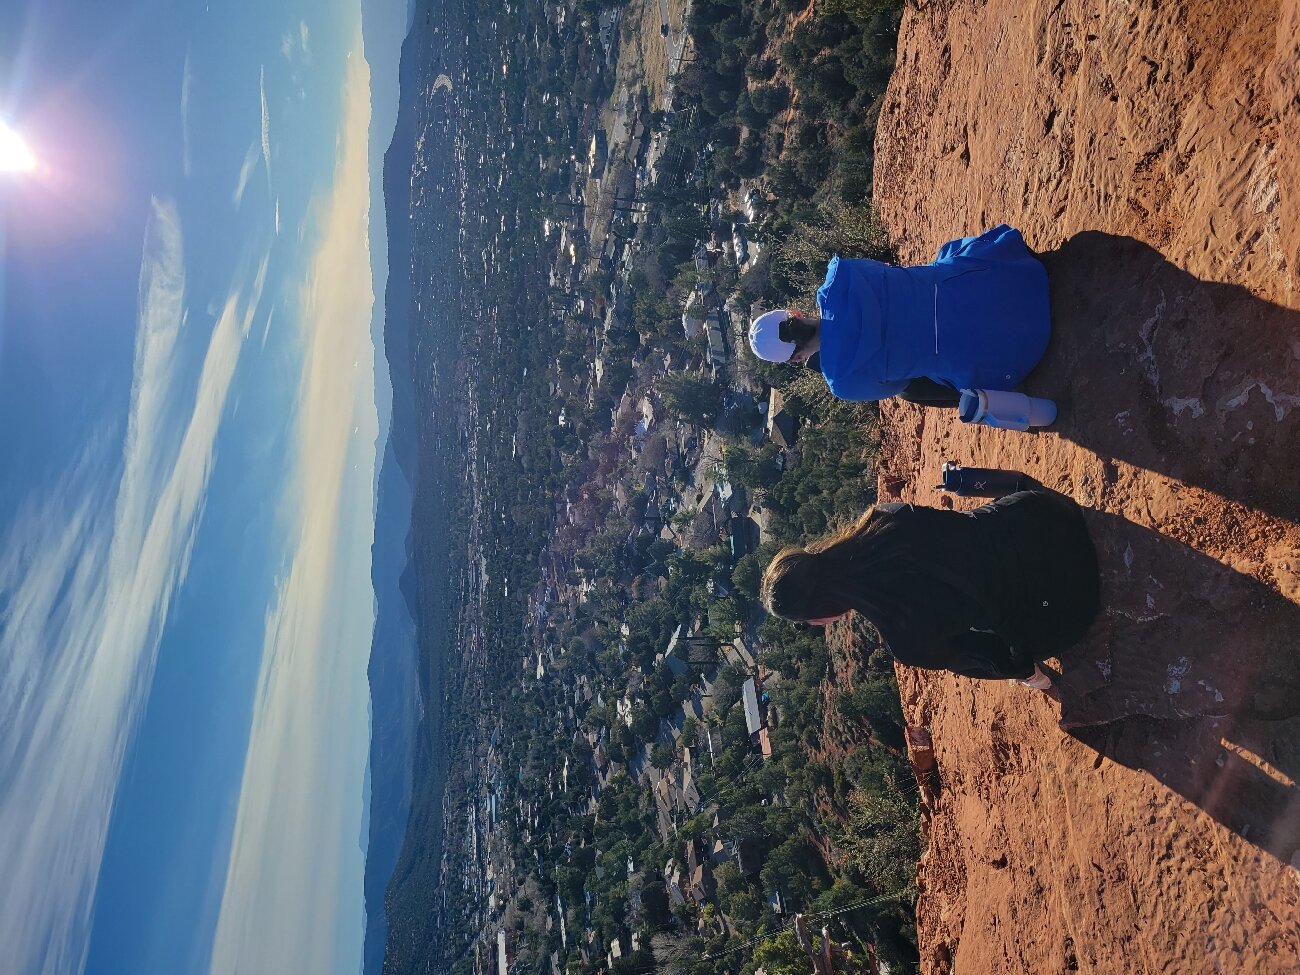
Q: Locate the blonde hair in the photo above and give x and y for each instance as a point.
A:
(827, 577)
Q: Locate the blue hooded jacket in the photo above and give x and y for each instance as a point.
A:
(975, 318)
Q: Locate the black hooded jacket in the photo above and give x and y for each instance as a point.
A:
(983, 593)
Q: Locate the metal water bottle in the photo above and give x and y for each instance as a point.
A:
(979, 482)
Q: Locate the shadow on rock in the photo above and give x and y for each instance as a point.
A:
(1192, 673)
(1189, 378)
(1240, 772)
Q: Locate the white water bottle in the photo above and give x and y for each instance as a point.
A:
(1004, 409)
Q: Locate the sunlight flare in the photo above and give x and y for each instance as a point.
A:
(15, 157)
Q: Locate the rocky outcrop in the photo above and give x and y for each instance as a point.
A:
(1148, 151)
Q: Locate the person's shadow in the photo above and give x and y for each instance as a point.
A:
(1192, 669)
(1191, 672)
(1193, 379)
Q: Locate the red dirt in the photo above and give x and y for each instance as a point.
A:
(1150, 151)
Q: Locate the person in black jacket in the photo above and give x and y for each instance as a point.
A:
(985, 593)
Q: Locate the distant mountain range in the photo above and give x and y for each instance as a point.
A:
(394, 691)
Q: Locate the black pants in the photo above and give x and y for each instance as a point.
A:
(923, 392)
(926, 392)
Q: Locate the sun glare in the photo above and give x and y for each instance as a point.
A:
(15, 157)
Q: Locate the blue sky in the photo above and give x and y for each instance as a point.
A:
(188, 390)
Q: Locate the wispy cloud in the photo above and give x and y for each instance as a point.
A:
(87, 576)
(262, 146)
(266, 329)
(295, 46)
(187, 84)
(293, 893)
(245, 172)
(266, 125)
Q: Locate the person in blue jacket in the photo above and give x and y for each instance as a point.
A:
(977, 317)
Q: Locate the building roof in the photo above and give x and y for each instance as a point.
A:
(780, 424)
(676, 665)
(753, 717)
(717, 348)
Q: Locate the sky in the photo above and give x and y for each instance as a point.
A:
(188, 426)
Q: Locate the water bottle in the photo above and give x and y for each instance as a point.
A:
(979, 482)
(1004, 409)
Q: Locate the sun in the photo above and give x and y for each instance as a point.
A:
(15, 157)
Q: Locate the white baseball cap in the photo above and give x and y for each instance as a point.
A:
(765, 337)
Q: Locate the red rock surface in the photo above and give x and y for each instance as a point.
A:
(1150, 151)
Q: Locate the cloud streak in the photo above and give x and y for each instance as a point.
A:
(245, 172)
(266, 126)
(87, 577)
(293, 895)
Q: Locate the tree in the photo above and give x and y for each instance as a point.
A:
(690, 732)
(833, 227)
(748, 114)
(745, 905)
(770, 99)
(655, 904)
(781, 955)
(760, 68)
(663, 755)
(794, 868)
(652, 314)
(861, 11)
(693, 399)
(881, 837)
(750, 466)
(747, 576)
(645, 724)
(875, 701)
(726, 687)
